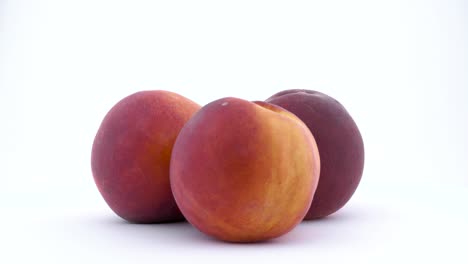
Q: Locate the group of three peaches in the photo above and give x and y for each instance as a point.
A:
(237, 170)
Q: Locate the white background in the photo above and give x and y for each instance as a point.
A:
(399, 67)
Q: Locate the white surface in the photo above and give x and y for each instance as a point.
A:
(399, 67)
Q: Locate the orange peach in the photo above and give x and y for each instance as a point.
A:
(244, 171)
(131, 155)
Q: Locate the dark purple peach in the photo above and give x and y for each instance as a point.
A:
(339, 142)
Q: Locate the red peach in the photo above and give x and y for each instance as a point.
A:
(131, 155)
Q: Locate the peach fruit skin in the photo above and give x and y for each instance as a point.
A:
(131, 155)
(339, 142)
(244, 171)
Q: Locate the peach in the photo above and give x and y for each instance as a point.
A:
(244, 171)
(131, 155)
(339, 142)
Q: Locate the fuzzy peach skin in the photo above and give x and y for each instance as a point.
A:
(339, 142)
(244, 171)
(131, 155)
